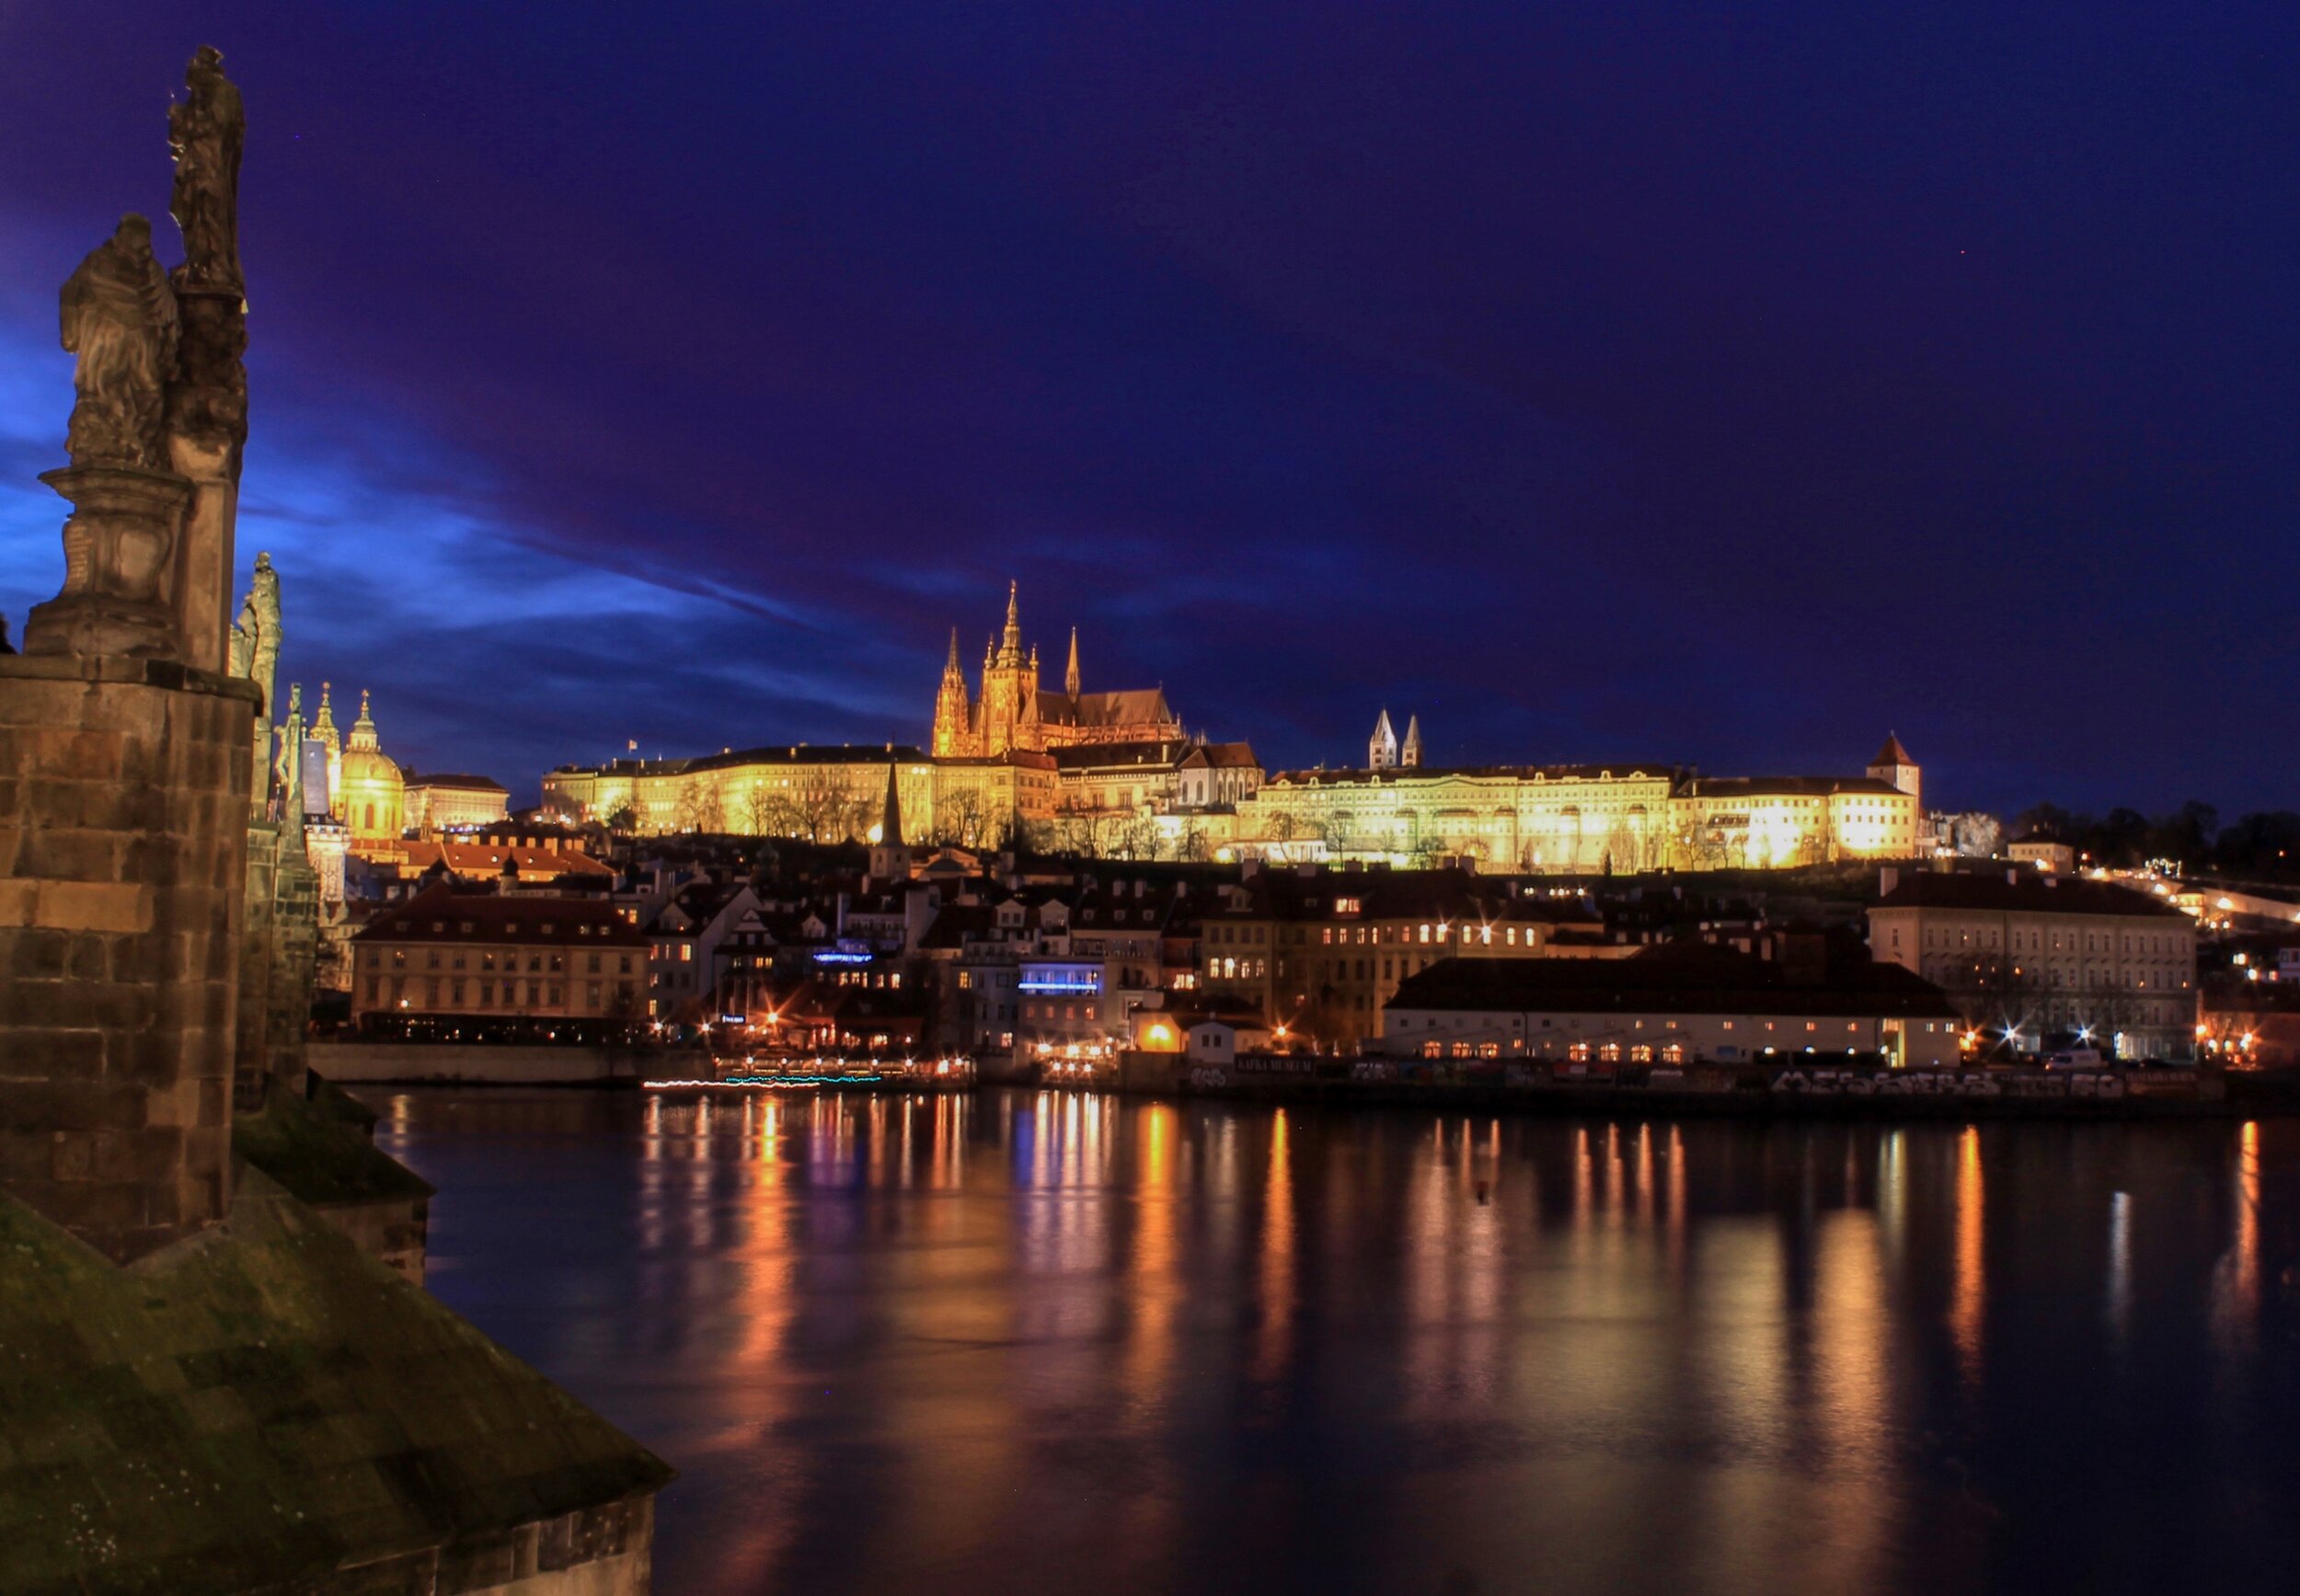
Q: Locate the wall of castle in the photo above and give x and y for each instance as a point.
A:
(1573, 823)
(966, 800)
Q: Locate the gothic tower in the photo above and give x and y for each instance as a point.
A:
(1411, 754)
(1894, 765)
(953, 735)
(1070, 677)
(1381, 749)
(1009, 685)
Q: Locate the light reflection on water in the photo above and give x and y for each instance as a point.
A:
(1056, 1341)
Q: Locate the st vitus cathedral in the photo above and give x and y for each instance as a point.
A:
(1014, 712)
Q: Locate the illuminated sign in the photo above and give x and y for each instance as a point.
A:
(844, 951)
(1059, 983)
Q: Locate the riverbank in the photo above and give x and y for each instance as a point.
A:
(1713, 1091)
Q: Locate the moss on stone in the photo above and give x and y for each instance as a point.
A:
(258, 1406)
(319, 1151)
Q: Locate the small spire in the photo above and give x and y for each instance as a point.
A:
(951, 668)
(1070, 677)
(363, 729)
(890, 816)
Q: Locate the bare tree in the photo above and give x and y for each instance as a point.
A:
(827, 810)
(958, 818)
(758, 809)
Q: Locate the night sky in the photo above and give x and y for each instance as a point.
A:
(1601, 382)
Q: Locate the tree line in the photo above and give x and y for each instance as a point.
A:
(2261, 847)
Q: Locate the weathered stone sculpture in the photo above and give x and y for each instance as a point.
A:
(119, 318)
(206, 134)
(287, 766)
(207, 402)
(255, 654)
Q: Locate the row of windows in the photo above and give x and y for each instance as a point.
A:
(2036, 941)
(1438, 931)
(489, 960)
(455, 992)
(1517, 1023)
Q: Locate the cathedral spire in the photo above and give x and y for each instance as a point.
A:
(1010, 645)
(1070, 677)
(1410, 753)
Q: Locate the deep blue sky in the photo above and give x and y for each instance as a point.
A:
(1600, 381)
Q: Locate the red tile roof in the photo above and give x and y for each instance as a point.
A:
(442, 915)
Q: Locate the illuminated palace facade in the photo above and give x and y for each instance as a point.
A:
(1586, 819)
(824, 794)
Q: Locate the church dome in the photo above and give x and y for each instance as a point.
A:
(375, 791)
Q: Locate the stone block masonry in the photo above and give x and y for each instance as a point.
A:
(123, 798)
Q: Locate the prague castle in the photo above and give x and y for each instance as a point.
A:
(1014, 712)
(1009, 762)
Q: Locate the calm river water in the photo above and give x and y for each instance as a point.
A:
(1042, 1342)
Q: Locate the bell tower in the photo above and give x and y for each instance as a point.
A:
(1381, 749)
(1010, 684)
(1894, 763)
(953, 735)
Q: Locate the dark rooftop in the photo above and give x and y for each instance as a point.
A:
(2021, 891)
(440, 914)
(1673, 979)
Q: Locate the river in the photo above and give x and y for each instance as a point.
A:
(1033, 1342)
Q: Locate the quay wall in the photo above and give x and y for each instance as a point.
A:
(1710, 1090)
(476, 1064)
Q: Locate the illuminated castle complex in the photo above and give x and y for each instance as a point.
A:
(1014, 712)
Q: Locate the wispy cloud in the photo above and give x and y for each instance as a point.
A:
(485, 645)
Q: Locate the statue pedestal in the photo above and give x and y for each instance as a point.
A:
(118, 544)
(207, 423)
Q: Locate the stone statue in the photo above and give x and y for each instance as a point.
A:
(206, 131)
(287, 766)
(119, 318)
(256, 655)
(207, 399)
